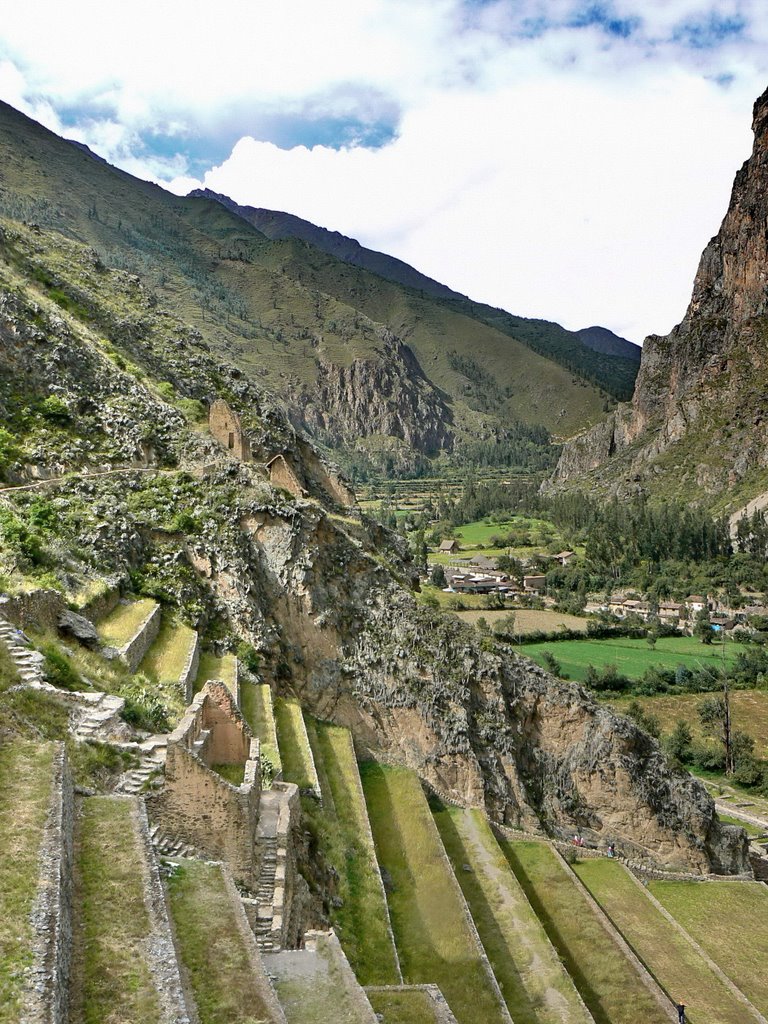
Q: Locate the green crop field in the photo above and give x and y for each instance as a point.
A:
(362, 921)
(295, 754)
(476, 538)
(256, 702)
(207, 933)
(749, 712)
(608, 983)
(432, 935)
(111, 972)
(729, 920)
(670, 958)
(123, 622)
(25, 797)
(536, 988)
(631, 657)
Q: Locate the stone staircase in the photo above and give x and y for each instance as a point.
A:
(265, 898)
(96, 716)
(172, 849)
(152, 755)
(28, 662)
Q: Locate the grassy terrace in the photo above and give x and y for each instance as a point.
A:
(406, 1007)
(608, 983)
(669, 957)
(25, 794)
(527, 620)
(433, 939)
(295, 753)
(165, 661)
(730, 921)
(361, 923)
(214, 667)
(111, 974)
(536, 988)
(631, 657)
(123, 622)
(256, 702)
(207, 933)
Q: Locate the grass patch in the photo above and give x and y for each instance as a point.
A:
(25, 795)
(672, 961)
(256, 703)
(33, 715)
(408, 1007)
(213, 666)
(167, 657)
(606, 980)
(123, 622)
(432, 936)
(207, 933)
(631, 657)
(295, 754)
(233, 773)
(527, 620)
(730, 921)
(111, 975)
(535, 987)
(9, 674)
(361, 922)
(751, 830)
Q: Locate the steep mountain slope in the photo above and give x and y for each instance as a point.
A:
(299, 318)
(105, 391)
(573, 350)
(696, 426)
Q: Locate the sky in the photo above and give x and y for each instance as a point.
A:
(562, 159)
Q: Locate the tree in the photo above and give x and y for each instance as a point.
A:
(648, 722)
(678, 743)
(437, 577)
(702, 626)
(715, 718)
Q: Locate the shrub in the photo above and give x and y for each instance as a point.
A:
(249, 657)
(143, 708)
(59, 670)
(55, 410)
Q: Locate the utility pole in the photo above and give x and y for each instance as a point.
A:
(729, 767)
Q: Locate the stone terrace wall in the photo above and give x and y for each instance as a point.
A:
(47, 995)
(133, 652)
(189, 674)
(37, 608)
(198, 806)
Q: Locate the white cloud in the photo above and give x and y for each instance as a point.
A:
(560, 171)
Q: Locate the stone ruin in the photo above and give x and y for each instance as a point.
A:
(226, 428)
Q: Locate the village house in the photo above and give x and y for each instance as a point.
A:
(534, 584)
(669, 612)
(448, 547)
(564, 557)
(697, 603)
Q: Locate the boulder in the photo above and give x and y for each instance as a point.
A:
(79, 628)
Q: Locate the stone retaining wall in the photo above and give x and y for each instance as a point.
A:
(39, 608)
(177, 1006)
(47, 993)
(99, 607)
(133, 652)
(189, 673)
(443, 1012)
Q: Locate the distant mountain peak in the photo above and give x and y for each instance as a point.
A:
(600, 339)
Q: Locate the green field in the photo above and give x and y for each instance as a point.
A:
(361, 922)
(122, 624)
(295, 754)
(536, 988)
(607, 981)
(112, 980)
(669, 957)
(207, 934)
(729, 920)
(475, 538)
(431, 932)
(256, 704)
(25, 797)
(631, 657)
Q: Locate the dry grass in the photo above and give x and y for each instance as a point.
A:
(608, 983)
(672, 961)
(112, 982)
(528, 620)
(730, 921)
(214, 667)
(123, 622)
(207, 934)
(168, 655)
(25, 794)
(431, 932)
(406, 1007)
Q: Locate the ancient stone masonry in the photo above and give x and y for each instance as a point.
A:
(47, 989)
(133, 652)
(189, 672)
(226, 428)
(197, 805)
(282, 474)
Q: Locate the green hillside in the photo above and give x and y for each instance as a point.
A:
(430, 375)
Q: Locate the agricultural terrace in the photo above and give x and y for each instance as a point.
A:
(362, 921)
(631, 657)
(168, 656)
(295, 753)
(214, 667)
(212, 947)
(668, 955)
(729, 920)
(111, 975)
(527, 620)
(536, 987)
(123, 622)
(25, 796)
(428, 913)
(607, 981)
(408, 1006)
(256, 704)
(749, 713)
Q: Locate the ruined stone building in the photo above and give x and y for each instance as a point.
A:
(226, 428)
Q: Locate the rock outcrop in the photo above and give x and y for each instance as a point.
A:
(697, 423)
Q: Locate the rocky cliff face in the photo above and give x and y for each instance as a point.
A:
(696, 422)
